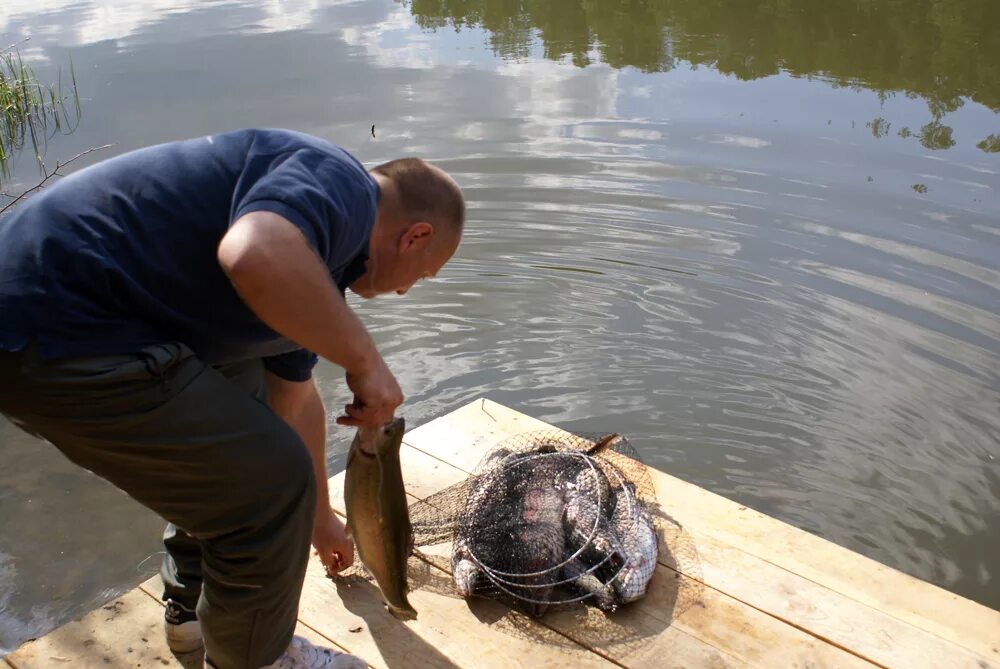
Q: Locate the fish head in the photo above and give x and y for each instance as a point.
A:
(393, 430)
(373, 440)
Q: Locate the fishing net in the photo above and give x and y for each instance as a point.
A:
(548, 520)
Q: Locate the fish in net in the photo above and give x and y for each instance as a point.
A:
(548, 520)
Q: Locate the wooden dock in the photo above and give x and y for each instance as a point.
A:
(734, 588)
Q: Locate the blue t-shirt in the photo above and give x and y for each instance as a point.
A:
(122, 254)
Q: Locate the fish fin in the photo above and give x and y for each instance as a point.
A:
(603, 444)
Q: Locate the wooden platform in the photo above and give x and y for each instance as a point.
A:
(734, 588)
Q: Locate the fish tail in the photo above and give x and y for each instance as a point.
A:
(402, 612)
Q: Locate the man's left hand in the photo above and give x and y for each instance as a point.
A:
(332, 542)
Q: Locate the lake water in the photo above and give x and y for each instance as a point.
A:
(760, 239)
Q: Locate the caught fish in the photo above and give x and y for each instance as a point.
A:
(377, 514)
(602, 595)
(633, 522)
(595, 544)
(592, 484)
(464, 571)
(538, 548)
(588, 503)
(540, 535)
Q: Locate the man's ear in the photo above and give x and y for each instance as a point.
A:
(418, 235)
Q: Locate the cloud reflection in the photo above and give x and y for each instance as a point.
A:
(102, 20)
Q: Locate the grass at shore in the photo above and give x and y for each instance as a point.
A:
(31, 112)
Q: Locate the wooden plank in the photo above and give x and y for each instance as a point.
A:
(679, 618)
(768, 588)
(917, 603)
(713, 621)
(488, 423)
(442, 635)
(352, 613)
(826, 613)
(126, 633)
(459, 438)
(153, 588)
(446, 622)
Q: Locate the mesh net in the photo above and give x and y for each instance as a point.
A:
(548, 520)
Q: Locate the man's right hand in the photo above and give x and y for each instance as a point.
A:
(376, 396)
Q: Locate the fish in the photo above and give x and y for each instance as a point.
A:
(377, 513)
(603, 444)
(583, 578)
(465, 572)
(496, 459)
(588, 503)
(633, 524)
(539, 535)
(593, 542)
(538, 547)
(538, 508)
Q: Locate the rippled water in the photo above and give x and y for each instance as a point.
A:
(763, 243)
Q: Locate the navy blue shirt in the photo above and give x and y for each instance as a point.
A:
(122, 254)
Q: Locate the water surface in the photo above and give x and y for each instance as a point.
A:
(760, 239)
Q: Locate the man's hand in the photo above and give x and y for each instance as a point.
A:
(376, 396)
(332, 542)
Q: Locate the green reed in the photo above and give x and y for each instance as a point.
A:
(31, 113)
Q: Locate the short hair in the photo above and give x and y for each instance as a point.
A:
(426, 192)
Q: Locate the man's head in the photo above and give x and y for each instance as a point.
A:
(418, 226)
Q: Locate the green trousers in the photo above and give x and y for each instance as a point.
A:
(200, 447)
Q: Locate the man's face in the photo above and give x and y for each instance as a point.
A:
(396, 264)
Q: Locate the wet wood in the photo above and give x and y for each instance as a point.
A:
(734, 589)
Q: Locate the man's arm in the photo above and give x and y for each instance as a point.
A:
(280, 277)
(300, 405)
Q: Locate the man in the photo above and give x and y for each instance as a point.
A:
(162, 312)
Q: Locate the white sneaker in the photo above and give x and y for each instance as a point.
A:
(303, 655)
(182, 627)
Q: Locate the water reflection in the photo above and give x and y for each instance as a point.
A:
(939, 50)
(991, 144)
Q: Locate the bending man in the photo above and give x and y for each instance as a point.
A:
(162, 313)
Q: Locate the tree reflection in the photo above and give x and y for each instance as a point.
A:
(934, 135)
(940, 50)
(879, 127)
(991, 144)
